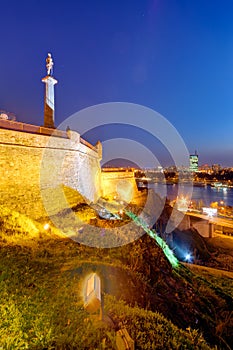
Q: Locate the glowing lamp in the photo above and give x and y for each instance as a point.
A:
(188, 257)
(92, 293)
(46, 227)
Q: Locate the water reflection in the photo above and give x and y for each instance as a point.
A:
(207, 194)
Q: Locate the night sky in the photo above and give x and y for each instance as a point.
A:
(174, 56)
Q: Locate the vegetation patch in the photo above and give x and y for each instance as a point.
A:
(41, 282)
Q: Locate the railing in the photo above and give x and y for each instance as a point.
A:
(84, 142)
(19, 126)
(34, 129)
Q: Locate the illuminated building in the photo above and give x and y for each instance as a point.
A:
(193, 162)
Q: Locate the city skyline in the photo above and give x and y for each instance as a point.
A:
(173, 57)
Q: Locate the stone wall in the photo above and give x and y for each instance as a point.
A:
(119, 184)
(34, 167)
(203, 227)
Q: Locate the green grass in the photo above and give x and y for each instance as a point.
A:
(215, 277)
(151, 330)
(41, 283)
(42, 307)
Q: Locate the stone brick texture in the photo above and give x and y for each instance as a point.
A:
(35, 169)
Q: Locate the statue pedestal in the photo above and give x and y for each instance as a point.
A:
(49, 107)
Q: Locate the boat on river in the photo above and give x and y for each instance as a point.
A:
(218, 185)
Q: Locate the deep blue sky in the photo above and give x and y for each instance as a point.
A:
(174, 56)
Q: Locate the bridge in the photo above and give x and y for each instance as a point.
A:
(207, 226)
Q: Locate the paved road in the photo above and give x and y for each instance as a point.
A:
(214, 219)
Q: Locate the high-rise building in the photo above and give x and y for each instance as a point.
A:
(193, 162)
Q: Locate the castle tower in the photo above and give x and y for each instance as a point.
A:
(49, 105)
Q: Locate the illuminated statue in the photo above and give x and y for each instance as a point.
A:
(49, 64)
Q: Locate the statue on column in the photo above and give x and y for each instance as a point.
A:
(49, 64)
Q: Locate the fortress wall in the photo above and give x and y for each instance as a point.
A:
(34, 164)
(120, 184)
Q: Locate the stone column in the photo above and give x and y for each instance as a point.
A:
(211, 229)
(49, 106)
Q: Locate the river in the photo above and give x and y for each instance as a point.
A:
(207, 194)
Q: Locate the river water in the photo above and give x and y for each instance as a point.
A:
(207, 194)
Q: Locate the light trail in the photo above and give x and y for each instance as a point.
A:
(160, 242)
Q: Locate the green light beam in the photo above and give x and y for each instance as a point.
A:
(160, 242)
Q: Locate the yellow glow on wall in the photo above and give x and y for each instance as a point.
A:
(125, 190)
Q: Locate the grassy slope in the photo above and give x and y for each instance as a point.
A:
(222, 248)
(41, 279)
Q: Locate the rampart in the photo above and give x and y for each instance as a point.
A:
(119, 184)
(35, 159)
